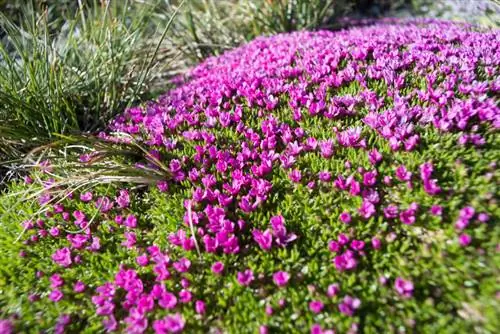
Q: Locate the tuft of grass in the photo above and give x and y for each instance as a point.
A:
(74, 72)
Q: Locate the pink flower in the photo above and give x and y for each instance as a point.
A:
(295, 176)
(123, 200)
(281, 278)
(56, 295)
(345, 217)
(56, 281)
(110, 324)
(332, 290)
(104, 204)
(217, 268)
(464, 239)
(316, 306)
(182, 265)
(62, 257)
(6, 327)
(325, 176)
(376, 243)
(282, 237)
(79, 287)
(345, 261)
(407, 216)
(170, 324)
(245, 278)
(403, 287)
(316, 329)
(162, 186)
(264, 239)
(167, 300)
(130, 239)
(370, 178)
(367, 209)
(130, 221)
(86, 197)
(185, 296)
(62, 321)
(142, 260)
(374, 156)
(402, 174)
(199, 307)
(483, 217)
(436, 210)
(349, 305)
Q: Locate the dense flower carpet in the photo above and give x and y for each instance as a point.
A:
(314, 182)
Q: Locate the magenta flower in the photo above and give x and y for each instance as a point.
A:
(199, 306)
(370, 178)
(110, 324)
(104, 204)
(349, 305)
(167, 300)
(182, 265)
(123, 199)
(264, 239)
(62, 321)
(185, 296)
(6, 326)
(130, 239)
(245, 278)
(142, 260)
(62, 257)
(86, 197)
(170, 324)
(56, 281)
(345, 217)
(218, 268)
(436, 210)
(295, 176)
(402, 174)
(325, 176)
(407, 216)
(79, 287)
(374, 156)
(483, 217)
(130, 221)
(345, 261)
(279, 231)
(403, 287)
(367, 209)
(162, 186)
(332, 290)
(316, 306)
(281, 278)
(376, 243)
(56, 295)
(464, 239)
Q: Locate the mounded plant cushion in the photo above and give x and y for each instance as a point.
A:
(314, 181)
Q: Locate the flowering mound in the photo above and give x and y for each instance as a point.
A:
(327, 181)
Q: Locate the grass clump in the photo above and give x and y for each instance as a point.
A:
(72, 72)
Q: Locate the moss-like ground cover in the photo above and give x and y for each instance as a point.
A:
(327, 181)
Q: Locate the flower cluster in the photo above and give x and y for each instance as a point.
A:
(252, 142)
